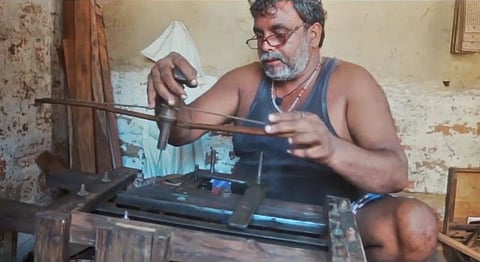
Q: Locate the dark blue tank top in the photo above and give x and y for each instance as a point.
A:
(287, 177)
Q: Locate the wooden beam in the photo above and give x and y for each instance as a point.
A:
(83, 132)
(51, 236)
(459, 246)
(112, 127)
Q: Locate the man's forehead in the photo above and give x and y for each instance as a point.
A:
(284, 15)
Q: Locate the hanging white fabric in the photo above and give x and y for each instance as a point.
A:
(174, 160)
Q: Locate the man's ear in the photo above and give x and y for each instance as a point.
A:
(315, 34)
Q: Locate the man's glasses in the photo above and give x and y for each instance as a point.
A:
(274, 40)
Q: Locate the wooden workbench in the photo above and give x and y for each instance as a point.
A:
(151, 234)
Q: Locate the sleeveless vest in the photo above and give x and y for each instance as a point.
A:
(287, 177)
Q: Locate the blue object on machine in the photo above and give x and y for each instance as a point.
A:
(221, 187)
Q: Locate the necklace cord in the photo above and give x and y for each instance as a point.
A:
(304, 87)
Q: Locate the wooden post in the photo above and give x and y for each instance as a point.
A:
(52, 233)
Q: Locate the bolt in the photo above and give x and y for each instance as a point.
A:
(105, 178)
(337, 231)
(344, 206)
(212, 160)
(83, 191)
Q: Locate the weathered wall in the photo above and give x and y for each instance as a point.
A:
(405, 44)
(29, 33)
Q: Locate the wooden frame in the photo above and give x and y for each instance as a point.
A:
(462, 200)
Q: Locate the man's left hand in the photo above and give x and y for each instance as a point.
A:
(310, 137)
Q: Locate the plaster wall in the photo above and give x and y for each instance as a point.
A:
(404, 44)
(29, 69)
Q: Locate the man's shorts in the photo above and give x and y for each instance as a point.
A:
(367, 198)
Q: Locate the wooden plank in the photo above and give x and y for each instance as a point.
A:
(467, 196)
(83, 132)
(459, 246)
(462, 198)
(68, 19)
(51, 236)
(122, 244)
(190, 245)
(114, 140)
(472, 238)
(68, 47)
(102, 155)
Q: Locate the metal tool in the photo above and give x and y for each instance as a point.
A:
(259, 171)
(169, 115)
(167, 112)
(249, 203)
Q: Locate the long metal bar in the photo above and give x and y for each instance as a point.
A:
(184, 208)
(179, 123)
(109, 210)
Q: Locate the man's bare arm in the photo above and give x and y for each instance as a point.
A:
(221, 98)
(375, 161)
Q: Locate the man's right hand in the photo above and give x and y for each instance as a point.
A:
(161, 81)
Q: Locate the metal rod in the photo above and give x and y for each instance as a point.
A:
(178, 123)
(259, 172)
(224, 115)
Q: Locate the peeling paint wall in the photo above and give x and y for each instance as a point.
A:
(29, 34)
(404, 44)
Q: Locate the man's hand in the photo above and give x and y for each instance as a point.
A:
(161, 80)
(311, 138)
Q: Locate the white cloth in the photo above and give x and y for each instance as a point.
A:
(175, 38)
(174, 160)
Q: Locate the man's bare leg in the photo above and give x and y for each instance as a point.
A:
(398, 229)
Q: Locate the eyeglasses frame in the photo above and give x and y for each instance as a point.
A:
(288, 35)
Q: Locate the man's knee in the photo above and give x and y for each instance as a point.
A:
(417, 229)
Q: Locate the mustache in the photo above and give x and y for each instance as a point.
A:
(271, 55)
